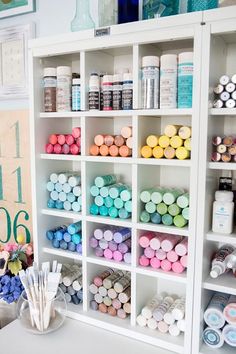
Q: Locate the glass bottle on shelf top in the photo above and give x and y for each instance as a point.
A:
(128, 11)
(108, 12)
(159, 8)
(82, 19)
(201, 5)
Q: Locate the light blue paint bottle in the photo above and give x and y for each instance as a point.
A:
(185, 80)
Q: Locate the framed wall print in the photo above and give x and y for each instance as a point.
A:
(16, 7)
(13, 61)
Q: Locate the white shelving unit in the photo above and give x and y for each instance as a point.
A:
(218, 58)
(125, 47)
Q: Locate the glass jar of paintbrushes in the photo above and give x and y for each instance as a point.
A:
(42, 306)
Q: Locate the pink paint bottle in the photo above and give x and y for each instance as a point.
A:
(74, 149)
(144, 240)
(65, 149)
(70, 139)
(182, 248)
(172, 256)
(155, 263)
(184, 261)
(169, 242)
(161, 255)
(57, 149)
(117, 256)
(76, 132)
(166, 265)
(108, 254)
(155, 243)
(177, 267)
(144, 261)
(49, 148)
(61, 139)
(149, 252)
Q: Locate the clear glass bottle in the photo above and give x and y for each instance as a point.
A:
(107, 12)
(82, 19)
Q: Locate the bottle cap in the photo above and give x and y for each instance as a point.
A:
(76, 82)
(215, 272)
(108, 78)
(224, 196)
(168, 59)
(50, 72)
(64, 70)
(186, 57)
(150, 61)
(94, 74)
(128, 77)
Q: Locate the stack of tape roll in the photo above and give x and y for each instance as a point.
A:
(111, 293)
(165, 206)
(113, 145)
(65, 191)
(71, 283)
(224, 149)
(111, 198)
(225, 92)
(66, 237)
(175, 143)
(165, 314)
(68, 144)
(112, 243)
(164, 251)
(220, 318)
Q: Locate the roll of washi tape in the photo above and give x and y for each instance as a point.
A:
(125, 246)
(119, 140)
(54, 195)
(54, 178)
(164, 141)
(221, 148)
(76, 191)
(169, 153)
(152, 140)
(76, 206)
(185, 132)
(158, 152)
(108, 140)
(59, 204)
(213, 337)
(215, 156)
(129, 142)
(122, 284)
(94, 150)
(171, 130)
(169, 242)
(146, 152)
(113, 150)
(78, 141)
(126, 132)
(124, 151)
(176, 141)
(182, 153)
(104, 150)
(99, 140)
(118, 203)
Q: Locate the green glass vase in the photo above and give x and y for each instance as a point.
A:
(82, 19)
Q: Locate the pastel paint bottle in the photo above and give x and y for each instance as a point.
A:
(213, 337)
(183, 200)
(219, 265)
(144, 261)
(159, 312)
(171, 196)
(166, 265)
(149, 252)
(180, 221)
(179, 310)
(181, 324)
(184, 261)
(108, 254)
(122, 284)
(161, 255)
(128, 258)
(98, 280)
(117, 256)
(167, 219)
(176, 141)
(168, 316)
(155, 242)
(147, 310)
(152, 323)
(172, 256)
(156, 218)
(213, 316)
(141, 321)
(162, 327)
(125, 246)
(113, 246)
(112, 294)
(230, 310)
(181, 248)
(155, 263)
(145, 216)
(177, 267)
(174, 330)
(122, 235)
(99, 252)
(169, 242)
(229, 335)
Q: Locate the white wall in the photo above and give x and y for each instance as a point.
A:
(52, 17)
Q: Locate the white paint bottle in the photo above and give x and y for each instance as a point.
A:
(223, 211)
(168, 81)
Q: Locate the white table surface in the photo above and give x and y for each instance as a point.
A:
(73, 337)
